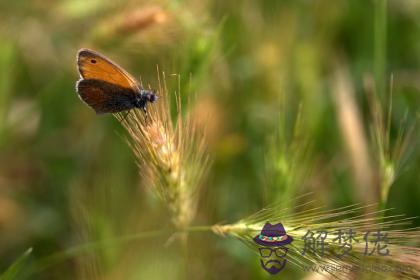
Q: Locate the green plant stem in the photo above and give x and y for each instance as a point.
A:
(379, 49)
(46, 262)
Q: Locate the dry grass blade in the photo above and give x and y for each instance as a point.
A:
(352, 129)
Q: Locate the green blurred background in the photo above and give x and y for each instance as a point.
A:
(265, 76)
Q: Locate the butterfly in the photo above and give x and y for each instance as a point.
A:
(108, 88)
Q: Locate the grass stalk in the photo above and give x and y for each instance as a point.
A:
(171, 154)
(402, 241)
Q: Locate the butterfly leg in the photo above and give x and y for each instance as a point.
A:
(146, 115)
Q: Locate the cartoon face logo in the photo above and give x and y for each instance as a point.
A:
(272, 241)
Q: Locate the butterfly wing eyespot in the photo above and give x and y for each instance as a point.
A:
(93, 65)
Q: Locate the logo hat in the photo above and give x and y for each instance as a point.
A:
(273, 235)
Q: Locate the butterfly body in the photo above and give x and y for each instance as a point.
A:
(106, 87)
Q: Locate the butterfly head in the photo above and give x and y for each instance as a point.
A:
(144, 97)
(149, 95)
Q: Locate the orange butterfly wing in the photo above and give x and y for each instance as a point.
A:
(93, 65)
